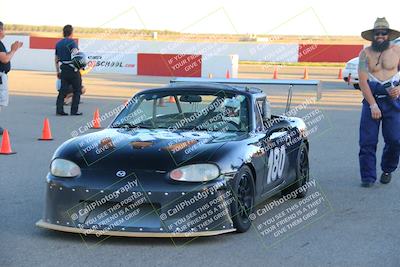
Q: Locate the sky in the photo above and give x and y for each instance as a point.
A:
(302, 17)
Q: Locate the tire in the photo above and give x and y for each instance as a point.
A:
(356, 86)
(243, 191)
(302, 172)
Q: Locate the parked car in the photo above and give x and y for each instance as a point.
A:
(350, 72)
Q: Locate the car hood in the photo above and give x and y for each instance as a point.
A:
(155, 149)
(353, 61)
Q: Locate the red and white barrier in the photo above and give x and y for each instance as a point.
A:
(328, 53)
(45, 42)
(184, 65)
(218, 66)
(112, 63)
(177, 59)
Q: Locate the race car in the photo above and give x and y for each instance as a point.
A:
(188, 159)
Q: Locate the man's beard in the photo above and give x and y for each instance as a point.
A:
(380, 46)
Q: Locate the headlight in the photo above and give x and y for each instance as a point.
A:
(195, 173)
(64, 168)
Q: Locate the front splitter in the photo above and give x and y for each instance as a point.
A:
(61, 228)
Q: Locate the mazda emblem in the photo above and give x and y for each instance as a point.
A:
(121, 173)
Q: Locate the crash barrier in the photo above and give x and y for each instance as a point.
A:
(136, 64)
(38, 54)
(328, 53)
(187, 65)
(246, 82)
(37, 51)
(264, 52)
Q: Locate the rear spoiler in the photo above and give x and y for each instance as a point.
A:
(237, 81)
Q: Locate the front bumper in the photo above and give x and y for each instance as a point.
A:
(75, 230)
(138, 211)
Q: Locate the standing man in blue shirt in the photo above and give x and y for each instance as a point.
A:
(5, 67)
(67, 72)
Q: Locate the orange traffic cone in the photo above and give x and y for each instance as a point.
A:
(171, 99)
(305, 76)
(228, 75)
(275, 75)
(5, 144)
(46, 132)
(340, 76)
(96, 120)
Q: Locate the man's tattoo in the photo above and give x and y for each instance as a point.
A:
(363, 62)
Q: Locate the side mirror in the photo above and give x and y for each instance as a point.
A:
(279, 137)
(276, 135)
(267, 110)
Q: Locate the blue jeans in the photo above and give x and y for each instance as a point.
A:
(369, 131)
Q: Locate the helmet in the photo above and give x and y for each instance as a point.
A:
(233, 103)
(79, 60)
(232, 106)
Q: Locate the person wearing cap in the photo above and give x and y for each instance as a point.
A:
(5, 67)
(69, 75)
(379, 82)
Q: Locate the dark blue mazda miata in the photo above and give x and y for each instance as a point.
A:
(184, 160)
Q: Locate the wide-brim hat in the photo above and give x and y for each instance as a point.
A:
(380, 24)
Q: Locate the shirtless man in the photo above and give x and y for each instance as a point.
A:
(379, 81)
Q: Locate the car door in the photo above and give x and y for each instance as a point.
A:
(277, 158)
(271, 155)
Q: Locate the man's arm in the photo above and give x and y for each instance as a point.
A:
(6, 57)
(398, 54)
(395, 92)
(363, 78)
(364, 86)
(73, 47)
(56, 61)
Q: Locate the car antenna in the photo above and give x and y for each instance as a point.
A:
(289, 98)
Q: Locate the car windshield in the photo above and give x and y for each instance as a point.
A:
(190, 110)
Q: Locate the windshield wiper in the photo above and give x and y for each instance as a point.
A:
(131, 126)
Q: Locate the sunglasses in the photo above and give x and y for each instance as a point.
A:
(381, 33)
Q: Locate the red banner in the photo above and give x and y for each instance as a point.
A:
(176, 65)
(328, 53)
(44, 42)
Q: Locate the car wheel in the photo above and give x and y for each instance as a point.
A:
(244, 191)
(302, 173)
(356, 86)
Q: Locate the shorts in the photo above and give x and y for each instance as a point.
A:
(3, 89)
